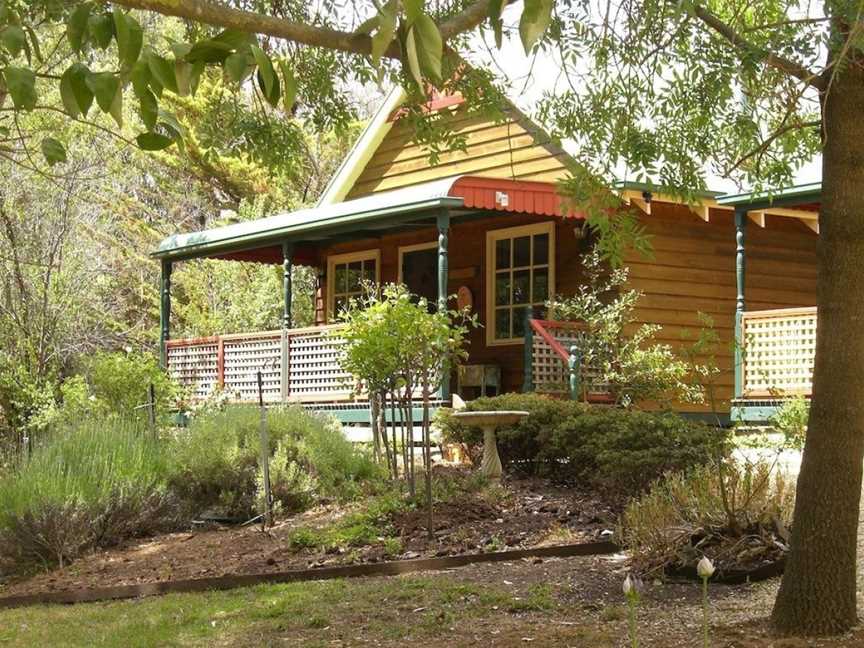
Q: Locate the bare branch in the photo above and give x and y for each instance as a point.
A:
(219, 15)
(781, 63)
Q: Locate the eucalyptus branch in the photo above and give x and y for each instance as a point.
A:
(771, 59)
(763, 146)
(220, 15)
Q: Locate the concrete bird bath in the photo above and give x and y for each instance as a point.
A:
(488, 422)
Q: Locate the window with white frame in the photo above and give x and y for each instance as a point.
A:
(520, 275)
(346, 274)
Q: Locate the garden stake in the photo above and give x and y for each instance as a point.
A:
(151, 409)
(266, 520)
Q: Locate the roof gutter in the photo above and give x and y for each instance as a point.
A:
(285, 233)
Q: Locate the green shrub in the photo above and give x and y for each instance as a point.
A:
(618, 450)
(623, 451)
(92, 485)
(216, 460)
(519, 445)
(791, 419)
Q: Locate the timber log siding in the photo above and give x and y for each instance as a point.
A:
(467, 267)
(693, 271)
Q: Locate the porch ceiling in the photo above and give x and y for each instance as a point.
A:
(415, 206)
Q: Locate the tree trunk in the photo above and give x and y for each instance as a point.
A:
(817, 594)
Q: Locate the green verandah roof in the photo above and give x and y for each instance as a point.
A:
(297, 225)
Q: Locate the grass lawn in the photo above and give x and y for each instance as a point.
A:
(381, 611)
(571, 603)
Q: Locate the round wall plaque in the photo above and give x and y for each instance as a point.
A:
(464, 298)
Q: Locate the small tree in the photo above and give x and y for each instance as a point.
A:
(632, 365)
(399, 351)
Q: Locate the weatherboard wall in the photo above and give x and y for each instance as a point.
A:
(514, 149)
(692, 271)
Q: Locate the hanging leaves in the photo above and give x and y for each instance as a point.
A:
(430, 46)
(289, 96)
(76, 27)
(536, 18)
(385, 33)
(496, 8)
(101, 29)
(153, 141)
(130, 38)
(53, 151)
(239, 66)
(74, 91)
(268, 82)
(163, 72)
(13, 39)
(21, 83)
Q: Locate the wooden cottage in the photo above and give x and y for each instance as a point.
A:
(486, 223)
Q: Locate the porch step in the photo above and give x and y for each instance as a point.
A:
(363, 434)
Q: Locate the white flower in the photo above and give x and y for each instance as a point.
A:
(705, 568)
(628, 585)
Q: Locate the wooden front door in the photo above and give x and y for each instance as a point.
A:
(419, 270)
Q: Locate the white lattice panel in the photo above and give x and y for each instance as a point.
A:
(551, 373)
(195, 366)
(245, 357)
(778, 352)
(314, 367)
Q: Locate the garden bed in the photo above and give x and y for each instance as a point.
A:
(518, 514)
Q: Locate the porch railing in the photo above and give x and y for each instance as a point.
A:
(548, 360)
(231, 363)
(778, 349)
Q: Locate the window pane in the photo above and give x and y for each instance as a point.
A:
(519, 322)
(522, 287)
(502, 254)
(369, 270)
(502, 323)
(521, 251)
(340, 281)
(541, 249)
(502, 288)
(541, 285)
(355, 269)
(340, 304)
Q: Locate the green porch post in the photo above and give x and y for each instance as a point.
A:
(287, 263)
(287, 319)
(164, 313)
(443, 274)
(528, 355)
(740, 276)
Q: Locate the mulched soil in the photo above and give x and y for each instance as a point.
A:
(521, 514)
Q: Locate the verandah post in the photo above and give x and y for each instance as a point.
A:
(287, 321)
(574, 366)
(740, 276)
(528, 381)
(164, 313)
(443, 274)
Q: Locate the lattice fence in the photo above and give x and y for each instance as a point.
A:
(778, 351)
(314, 369)
(195, 364)
(245, 356)
(550, 370)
